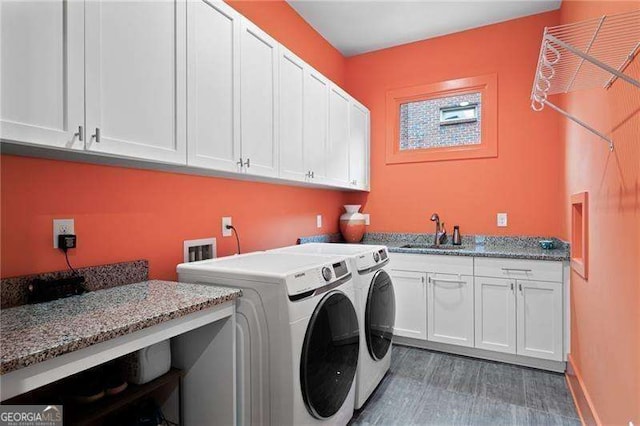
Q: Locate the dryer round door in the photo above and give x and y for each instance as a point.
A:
(380, 315)
(329, 355)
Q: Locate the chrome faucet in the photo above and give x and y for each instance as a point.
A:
(441, 233)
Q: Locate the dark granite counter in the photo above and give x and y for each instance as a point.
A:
(475, 246)
(34, 333)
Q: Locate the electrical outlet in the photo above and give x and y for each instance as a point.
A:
(502, 220)
(226, 221)
(62, 227)
(319, 221)
(366, 219)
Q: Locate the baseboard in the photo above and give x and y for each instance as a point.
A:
(581, 398)
(542, 364)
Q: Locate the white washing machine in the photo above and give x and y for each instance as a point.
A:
(297, 335)
(375, 305)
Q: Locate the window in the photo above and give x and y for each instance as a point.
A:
(440, 122)
(465, 112)
(455, 119)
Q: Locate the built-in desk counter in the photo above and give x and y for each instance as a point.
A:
(46, 342)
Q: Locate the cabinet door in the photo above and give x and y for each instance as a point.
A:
(291, 131)
(495, 312)
(450, 308)
(539, 319)
(136, 79)
(42, 72)
(411, 304)
(213, 99)
(337, 155)
(258, 104)
(358, 146)
(316, 119)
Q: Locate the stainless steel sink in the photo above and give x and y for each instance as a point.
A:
(431, 246)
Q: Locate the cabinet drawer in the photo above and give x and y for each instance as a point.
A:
(518, 269)
(431, 263)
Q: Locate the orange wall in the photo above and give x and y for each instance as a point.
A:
(525, 180)
(124, 214)
(605, 335)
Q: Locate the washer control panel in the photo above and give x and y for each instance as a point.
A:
(311, 279)
(376, 256)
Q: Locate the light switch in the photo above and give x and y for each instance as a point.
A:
(319, 221)
(366, 219)
(502, 220)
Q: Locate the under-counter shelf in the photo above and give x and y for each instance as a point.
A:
(585, 55)
(89, 414)
(98, 412)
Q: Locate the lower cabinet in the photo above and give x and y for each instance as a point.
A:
(410, 289)
(539, 322)
(521, 317)
(450, 309)
(495, 314)
(511, 315)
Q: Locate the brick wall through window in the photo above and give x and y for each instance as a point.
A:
(420, 124)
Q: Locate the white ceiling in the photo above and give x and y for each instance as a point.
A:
(359, 26)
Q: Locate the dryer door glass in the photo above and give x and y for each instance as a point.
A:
(380, 315)
(329, 355)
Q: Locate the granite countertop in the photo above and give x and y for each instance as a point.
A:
(472, 245)
(476, 246)
(34, 333)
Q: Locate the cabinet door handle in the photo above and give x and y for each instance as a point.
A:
(511, 286)
(313, 174)
(96, 135)
(80, 133)
(520, 285)
(240, 162)
(354, 182)
(516, 269)
(449, 281)
(422, 279)
(248, 163)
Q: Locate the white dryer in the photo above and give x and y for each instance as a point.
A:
(375, 305)
(297, 335)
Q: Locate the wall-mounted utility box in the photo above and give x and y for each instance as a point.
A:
(201, 249)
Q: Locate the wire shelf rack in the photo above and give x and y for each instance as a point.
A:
(585, 55)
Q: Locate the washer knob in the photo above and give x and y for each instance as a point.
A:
(376, 256)
(326, 273)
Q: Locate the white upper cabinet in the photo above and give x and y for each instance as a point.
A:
(358, 146)
(136, 79)
(540, 326)
(450, 309)
(316, 123)
(337, 155)
(213, 99)
(258, 103)
(495, 311)
(185, 82)
(291, 131)
(42, 72)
